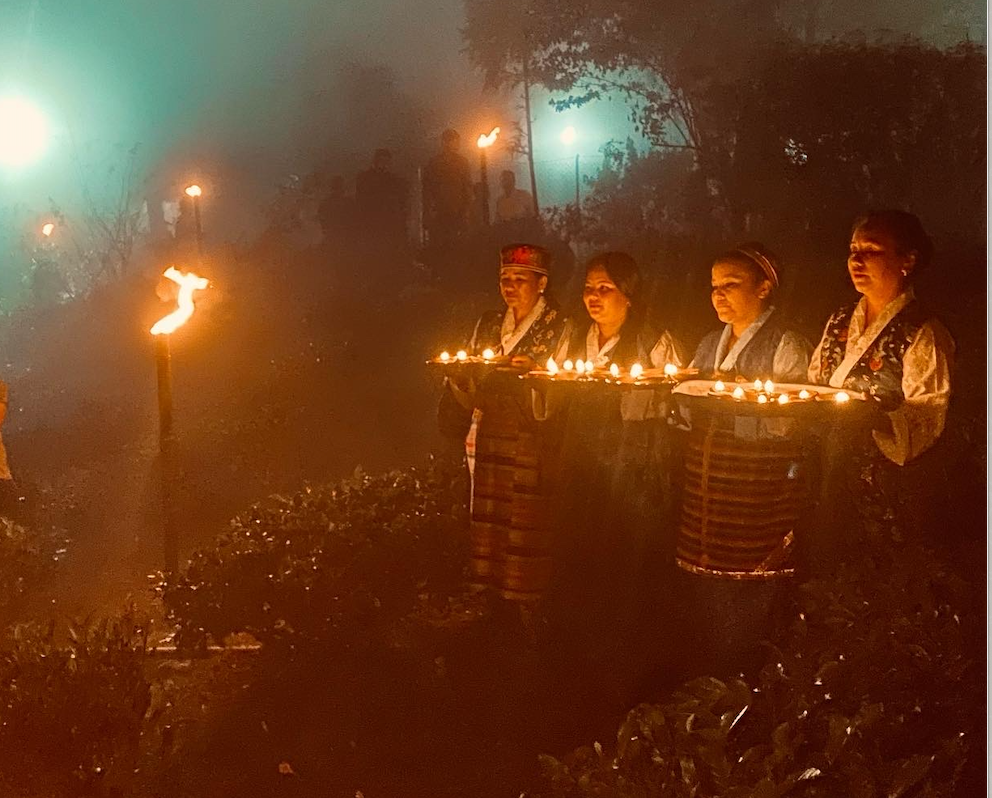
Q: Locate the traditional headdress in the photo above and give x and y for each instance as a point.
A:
(526, 256)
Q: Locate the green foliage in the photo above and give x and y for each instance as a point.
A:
(868, 692)
(27, 558)
(326, 563)
(71, 712)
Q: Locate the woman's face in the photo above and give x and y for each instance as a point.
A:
(606, 303)
(875, 264)
(737, 295)
(520, 288)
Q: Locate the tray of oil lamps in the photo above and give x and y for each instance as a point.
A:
(764, 397)
(471, 365)
(585, 373)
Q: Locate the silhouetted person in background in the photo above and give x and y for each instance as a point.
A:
(447, 190)
(513, 203)
(381, 200)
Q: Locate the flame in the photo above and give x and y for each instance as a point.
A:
(445, 357)
(188, 283)
(47, 229)
(461, 354)
(762, 399)
(614, 370)
(804, 394)
(193, 190)
(719, 387)
(840, 397)
(489, 139)
(769, 386)
(636, 370)
(671, 369)
(552, 366)
(738, 392)
(783, 399)
(567, 365)
(757, 385)
(580, 366)
(488, 354)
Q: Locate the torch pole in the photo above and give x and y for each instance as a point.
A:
(163, 367)
(199, 227)
(483, 168)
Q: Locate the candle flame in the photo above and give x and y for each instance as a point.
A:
(552, 366)
(580, 366)
(757, 385)
(614, 370)
(762, 399)
(47, 229)
(489, 139)
(445, 357)
(636, 370)
(193, 191)
(488, 354)
(188, 283)
(671, 369)
(769, 386)
(783, 399)
(738, 392)
(568, 365)
(719, 387)
(461, 354)
(804, 394)
(840, 397)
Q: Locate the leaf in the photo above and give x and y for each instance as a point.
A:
(910, 772)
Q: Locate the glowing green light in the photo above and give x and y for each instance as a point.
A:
(23, 132)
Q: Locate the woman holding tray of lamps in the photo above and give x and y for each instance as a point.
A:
(507, 461)
(889, 347)
(615, 492)
(755, 342)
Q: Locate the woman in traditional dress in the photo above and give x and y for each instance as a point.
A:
(755, 342)
(615, 490)
(510, 479)
(889, 347)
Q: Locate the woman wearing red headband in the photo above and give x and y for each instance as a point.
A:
(755, 343)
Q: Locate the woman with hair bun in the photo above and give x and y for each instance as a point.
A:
(755, 342)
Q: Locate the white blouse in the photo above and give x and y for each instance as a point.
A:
(926, 379)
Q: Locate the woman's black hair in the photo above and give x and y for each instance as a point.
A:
(623, 270)
(758, 259)
(904, 227)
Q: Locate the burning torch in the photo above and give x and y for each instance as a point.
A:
(194, 192)
(485, 142)
(162, 329)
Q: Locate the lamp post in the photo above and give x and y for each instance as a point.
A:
(484, 142)
(194, 192)
(162, 330)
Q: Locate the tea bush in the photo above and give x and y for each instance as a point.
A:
(326, 562)
(71, 713)
(870, 691)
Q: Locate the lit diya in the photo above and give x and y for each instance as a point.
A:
(461, 362)
(765, 392)
(586, 372)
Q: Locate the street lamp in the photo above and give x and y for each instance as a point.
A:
(484, 142)
(194, 192)
(23, 132)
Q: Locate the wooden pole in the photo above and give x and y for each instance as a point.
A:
(530, 141)
(163, 368)
(484, 171)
